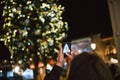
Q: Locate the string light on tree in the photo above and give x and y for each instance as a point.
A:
(33, 28)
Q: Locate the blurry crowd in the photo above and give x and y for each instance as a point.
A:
(84, 66)
(77, 66)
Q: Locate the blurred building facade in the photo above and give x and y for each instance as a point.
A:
(114, 8)
(105, 47)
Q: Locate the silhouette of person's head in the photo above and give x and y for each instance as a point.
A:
(88, 66)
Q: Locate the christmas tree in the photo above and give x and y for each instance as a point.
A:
(33, 29)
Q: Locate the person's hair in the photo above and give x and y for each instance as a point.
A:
(88, 66)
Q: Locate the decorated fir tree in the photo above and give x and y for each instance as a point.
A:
(33, 29)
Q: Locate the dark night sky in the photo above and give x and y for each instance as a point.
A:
(87, 17)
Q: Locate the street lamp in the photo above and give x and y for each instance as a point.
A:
(93, 46)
